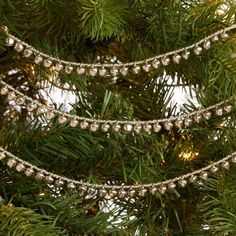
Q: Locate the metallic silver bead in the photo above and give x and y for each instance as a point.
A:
(38, 59)
(177, 58)
(137, 128)
(4, 91)
(39, 176)
(219, 111)
(132, 193)
(171, 185)
(102, 193)
(74, 122)
(153, 190)
(186, 55)
(142, 192)
(207, 115)
(204, 175)
(62, 119)
(224, 36)
(80, 70)
(102, 71)
(20, 167)
(192, 178)
(162, 189)
(28, 172)
(49, 179)
(179, 123)
(156, 64)
(28, 52)
(136, 69)
(198, 118)
(105, 127)
(71, 186)
(112, 193)
(124, 71)
(128, 127)
(20, 101)
(215, 38)
(49, 115)
(182, 183)
(228, 108)
(84, 124)
(146, 67)
(59, 183)
(165, 61)
(68, 69)
(47, 63)
(168, 125)
(11, 96)
(197, 50)
(93, 71)
(188, 122)
(122, 193)
(94, 127)
(58, 67)
(214, 169)
(147, 128)
(114, 71)
(207, 44)
(156, 127)
(225, 165)
(31, 107)
(116, 127)
(233, 159)
(19, 47)
(2, 155)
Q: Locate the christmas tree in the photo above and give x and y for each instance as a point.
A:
(119, 156)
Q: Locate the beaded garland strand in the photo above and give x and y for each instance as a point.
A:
(121, 191)
(114, 69)
(148, 126)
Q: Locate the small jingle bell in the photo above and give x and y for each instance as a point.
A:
(168, 125)
(2, 155)
(116, 127)
(224, 36)
(102, 193)
(102, 71)
(38, 59)
(28, 53)
(58, 67)
(147, 128)
(192, 178)
(114, 71)
(11, 96)
(84, 124)
(80, 70)
(137, 128)
(204, 176)
(225, 165)
(153, 190)
(122, 193)
(179, 123)
(29, 172)
(59, 183)
(186, 55)
(105, 127)
(62, 119)
(207, 44)
(165, 61)
(156, 64)
(177, 58)
(20, 167)
(219, 112)
(112, 193)
(162, 189)
(93, 71)
(215, 38)
(171, 186)
(94, 127)
(19, 47)
(71, 186)
(132, 193)
(156, 127)
(68, 69)
(39, 176)
(233, 159)
(136, 69)
(142, 192)
(214, 169)
(4, 91)
(207, 115)
(124, 71)
(197, 50)
(228, 108)
(127, 127)
(74, 122)
(146, 67)
(49, 179)
(47, 63)
(182, 183)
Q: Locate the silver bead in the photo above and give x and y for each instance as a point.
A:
(19, 47)
(68, 69)
(171, 185)
(31, 107)
(147, 128)
(49, 179)
(58, 67)
(114, 71)
(225, 165)
(122, 193)
(47, 63)
(188, 122)
(156, 127)
(153, 190)
(4, 91)
(136, 69)
(127, 127)
(28, 52)
(102, 71)
(28, 172)
(224, 36)
(186, 55)
(162, 189)
(179, 123)
(49, 115)
(197, 50)
(233, 159)
(38, 59)
(207, 115)
(156, 64)
(146, 67)
(105, 127)
(228, 108)
(142, 192)
(219, 112)
(207, 44)
(102, 193)
(11, 96)
(80, 70)
(20, 101)
(62, 119)
(39, 176)
(132, 193)
(192, 178)
(71, 186)
(214, 169)
(116, 127)
(124, 71)
(182, 183)
(74, 122)
(112, 193)
(165, 61)
(215, 38)
(93, 71)
(2, 155)
(59, 183)
(204, 175)
(198, 118)
(177, 58)
(94, 127)
(20, 167)
(84, 124)
(168, 125)
(137, 128)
